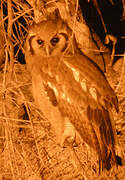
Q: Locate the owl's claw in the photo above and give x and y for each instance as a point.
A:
(67, 138)
(69, 133)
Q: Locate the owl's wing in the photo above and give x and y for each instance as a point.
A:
(82, 93)
(86, 70)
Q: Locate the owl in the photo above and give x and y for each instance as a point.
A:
(70, 89)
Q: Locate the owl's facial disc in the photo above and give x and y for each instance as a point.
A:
(47, 46)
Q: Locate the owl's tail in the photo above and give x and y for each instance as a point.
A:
(104, 130)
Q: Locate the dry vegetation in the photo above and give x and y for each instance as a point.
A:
(28, 148)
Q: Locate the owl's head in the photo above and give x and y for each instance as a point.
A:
(49, 38)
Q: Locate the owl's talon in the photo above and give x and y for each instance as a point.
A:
(67, 139)
(69, 133)
(71, 139)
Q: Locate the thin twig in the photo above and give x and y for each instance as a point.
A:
(10, 31)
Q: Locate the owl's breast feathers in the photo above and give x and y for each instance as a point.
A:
(82, 93)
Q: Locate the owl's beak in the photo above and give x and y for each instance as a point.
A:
(47, 50)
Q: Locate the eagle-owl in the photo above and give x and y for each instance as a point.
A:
(70, 89)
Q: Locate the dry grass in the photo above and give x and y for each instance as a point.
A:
(27, 141)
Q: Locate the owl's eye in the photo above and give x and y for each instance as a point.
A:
(40, 41)
(54, 41)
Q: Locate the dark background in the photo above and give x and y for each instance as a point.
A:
(112, 15)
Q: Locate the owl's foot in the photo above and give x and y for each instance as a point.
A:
(69, 133)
